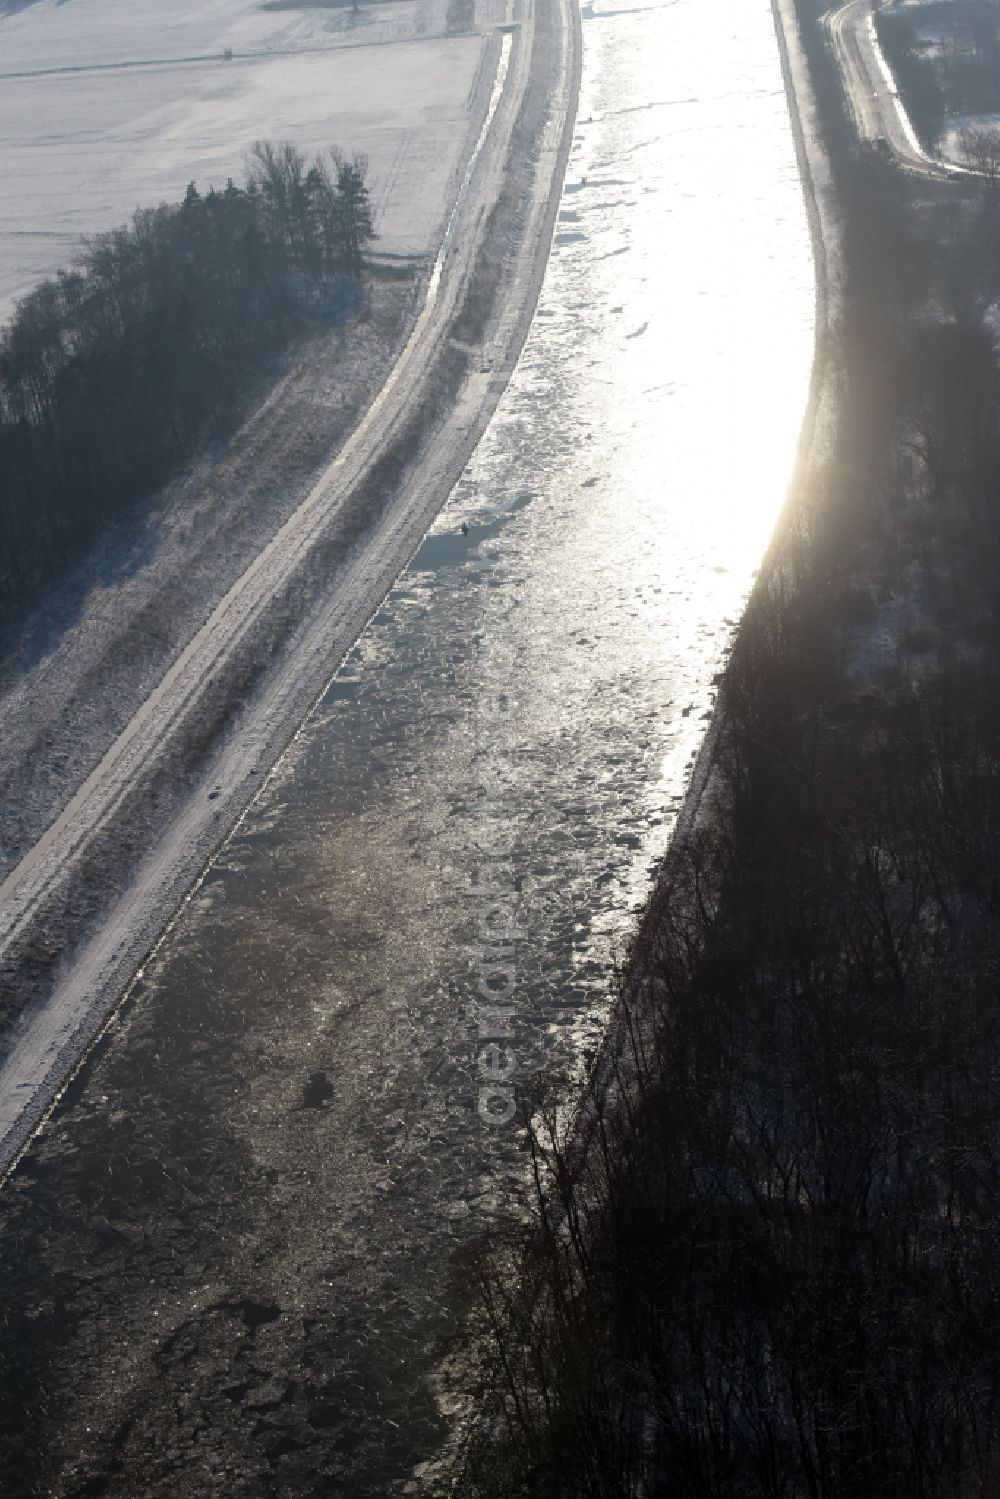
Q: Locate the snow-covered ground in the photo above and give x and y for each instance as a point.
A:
(110, 104)
(118, 856)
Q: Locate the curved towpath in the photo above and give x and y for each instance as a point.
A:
(873, 98)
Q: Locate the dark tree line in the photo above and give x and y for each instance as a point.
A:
(774, 1270)
(119, 368)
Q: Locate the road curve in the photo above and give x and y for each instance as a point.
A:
(49, 1042)
(877, 110)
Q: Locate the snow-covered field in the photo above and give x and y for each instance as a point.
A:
(110, 104)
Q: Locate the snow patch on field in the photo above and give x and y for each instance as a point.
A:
(110, 104)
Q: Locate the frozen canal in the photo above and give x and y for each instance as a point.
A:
(225, 1266)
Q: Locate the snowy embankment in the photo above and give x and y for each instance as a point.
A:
(106, 876)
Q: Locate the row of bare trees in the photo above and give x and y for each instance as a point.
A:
(319, 210)
(119, 368)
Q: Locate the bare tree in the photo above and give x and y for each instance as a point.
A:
(979, 150)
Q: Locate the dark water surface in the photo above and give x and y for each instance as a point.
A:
(225, 1265)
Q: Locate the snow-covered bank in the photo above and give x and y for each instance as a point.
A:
(814, 166)
(408, 456)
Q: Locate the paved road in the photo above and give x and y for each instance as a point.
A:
(878, 111)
